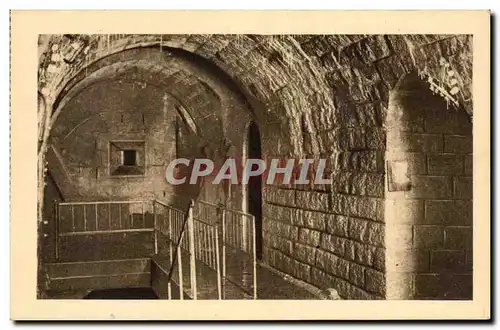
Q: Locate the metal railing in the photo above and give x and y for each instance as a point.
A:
(204, 241)
(238, 260)
(239, 251)
(102, 217)
(206, 238)
(170, 225)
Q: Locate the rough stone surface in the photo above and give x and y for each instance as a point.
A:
(428, 237)
(429, 226)
(458, 238)
(462, 187)
(436, 187)
(448, 286)
(375, 281)
(337, 225)
(468, 165)
(444, 164)
(333, 244)
(320, 96)
(310, 219)
(448, 212)
(458, 144)
(312, 200)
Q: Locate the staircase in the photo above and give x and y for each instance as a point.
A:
(179, 254)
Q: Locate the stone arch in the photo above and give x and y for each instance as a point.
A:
(42, 117)
(157, 72)
(338, 87)
(428, 195)
(286, 65)
(159, 68)
(43, 132)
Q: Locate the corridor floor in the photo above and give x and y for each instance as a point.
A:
(239, 280)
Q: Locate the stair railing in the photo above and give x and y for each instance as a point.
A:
(173, 226)
(101, 217)
(202, 233)
(214, 238)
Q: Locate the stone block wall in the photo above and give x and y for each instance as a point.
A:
(337, 246)
(430, 225)
(326, 96)
(114, 111)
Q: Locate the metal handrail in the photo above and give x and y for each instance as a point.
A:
(168, 206)
(105, 202)
(207, 240)
(207, 237)
(177, 248)
(98, 232)
(239, 233)
(89, 222)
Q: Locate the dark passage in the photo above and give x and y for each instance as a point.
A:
(131, 293)
(129, 157)
(255, 187)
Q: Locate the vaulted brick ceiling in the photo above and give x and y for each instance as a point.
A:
(166, 74)
(303, 79)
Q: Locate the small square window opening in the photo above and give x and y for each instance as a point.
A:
(129, 157)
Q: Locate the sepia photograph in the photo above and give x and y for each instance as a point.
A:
(256, 166)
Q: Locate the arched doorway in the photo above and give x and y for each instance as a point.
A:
(254, 188)
(428, 195)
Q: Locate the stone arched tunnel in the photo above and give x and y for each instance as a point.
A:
(368, 104)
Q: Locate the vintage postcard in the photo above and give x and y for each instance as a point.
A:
(205, 165)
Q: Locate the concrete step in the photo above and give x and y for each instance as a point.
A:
(98, 268)
(131, 280)
(159, 276)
